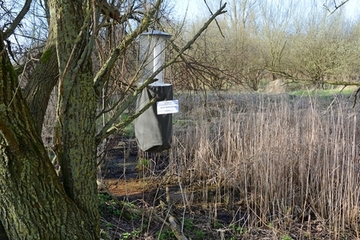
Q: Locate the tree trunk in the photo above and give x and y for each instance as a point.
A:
(33, 203)
(42, 81)
(76, 128)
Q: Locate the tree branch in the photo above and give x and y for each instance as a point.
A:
(217, 24)
(10, 30)
(336, 7)
(114, 13)
(100, 77)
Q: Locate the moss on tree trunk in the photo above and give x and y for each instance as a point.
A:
(33, 202)
(75, 131)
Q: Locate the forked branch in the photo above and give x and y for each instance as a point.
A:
(336, 6)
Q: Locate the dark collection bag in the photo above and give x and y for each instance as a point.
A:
(153, 132)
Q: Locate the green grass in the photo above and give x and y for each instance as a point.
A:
(323, 92)
(108, 206)
(135, 234)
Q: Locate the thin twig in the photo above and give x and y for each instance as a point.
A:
(217, 24)
(336, 7)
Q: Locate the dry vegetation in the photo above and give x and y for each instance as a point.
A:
(249, 166)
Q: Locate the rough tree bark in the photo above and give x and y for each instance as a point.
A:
(42, 81)
(75, 138)
(33, 203)
(76, 125)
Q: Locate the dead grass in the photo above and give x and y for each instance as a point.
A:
(259, 167)
(285, 164)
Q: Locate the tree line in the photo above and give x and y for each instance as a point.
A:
(297, 41)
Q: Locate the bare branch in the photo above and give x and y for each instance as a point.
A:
(217, 24)
(99, 79)
(114, 13)
(10, 30)
(336, 7)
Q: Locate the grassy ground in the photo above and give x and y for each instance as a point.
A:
(242, 166)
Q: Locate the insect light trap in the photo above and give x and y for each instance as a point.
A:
(153, 128)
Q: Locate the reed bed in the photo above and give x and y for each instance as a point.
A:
(278, 161)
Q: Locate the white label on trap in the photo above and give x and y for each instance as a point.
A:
(167, 107)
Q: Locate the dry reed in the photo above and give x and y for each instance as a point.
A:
(279, 160)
